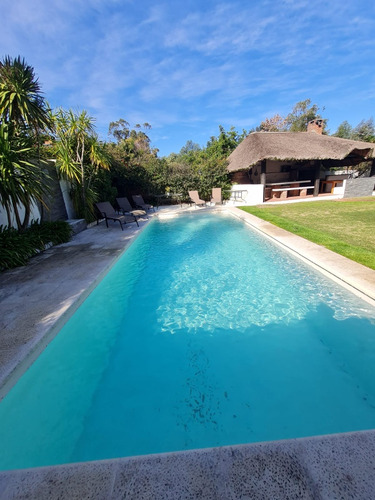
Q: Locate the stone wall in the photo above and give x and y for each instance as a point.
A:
(363, 186)
(54, 200)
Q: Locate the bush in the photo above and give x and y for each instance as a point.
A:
(17, 248)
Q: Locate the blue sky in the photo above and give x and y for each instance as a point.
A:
(187, 67)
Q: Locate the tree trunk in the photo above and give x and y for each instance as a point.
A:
(26, 219)
(17, 215)
(83, 177)
(9, 216)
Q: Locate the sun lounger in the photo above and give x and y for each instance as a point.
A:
(108, 213)
(126, 208)
(194, 196)
(216, 196)
(139, 203)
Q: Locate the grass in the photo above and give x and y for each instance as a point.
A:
(346, 227)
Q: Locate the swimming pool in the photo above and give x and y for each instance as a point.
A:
(203, 334)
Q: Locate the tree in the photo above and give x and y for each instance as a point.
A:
(364, 131)
(119, 130)
(274, 124)
(344, 130)
(23, 114)
(196, 168)
(135, 165)
(79, 156)
(21, 101)
(20, 179)
(302, 113)
(190, 147)
(225, 143)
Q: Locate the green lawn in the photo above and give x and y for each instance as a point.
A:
(345, 226)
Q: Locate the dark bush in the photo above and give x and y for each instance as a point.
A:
(17, 248)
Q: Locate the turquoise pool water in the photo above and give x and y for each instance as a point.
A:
(203, 334)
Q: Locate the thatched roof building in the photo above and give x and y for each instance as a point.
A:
(276, 159)
(298, 147)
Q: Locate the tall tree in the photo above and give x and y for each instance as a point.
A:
(364, 131)
(274, 124)
(79, 156)
(302, 113)
(23, 114)
(190, 147)
(21, 100)
(20, 179)
(203, 168)
(225, 143)
(119, 130)
(344, 130)
(136, 166)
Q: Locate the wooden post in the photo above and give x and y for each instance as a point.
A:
(263, 172)
(317, 178)
(263, 176)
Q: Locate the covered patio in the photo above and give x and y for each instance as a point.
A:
(294, 164)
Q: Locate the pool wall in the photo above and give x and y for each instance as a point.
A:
(322, 467)
(38, 299)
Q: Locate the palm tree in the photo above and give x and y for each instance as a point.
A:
(21, 101)
(80, 155)
(20, 180)
(23, 114)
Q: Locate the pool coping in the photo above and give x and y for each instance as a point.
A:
(357, 278)
(337, 466)
(333, 466)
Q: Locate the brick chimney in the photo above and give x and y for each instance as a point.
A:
(315, 126)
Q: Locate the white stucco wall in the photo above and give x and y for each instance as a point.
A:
(246, 194)
(340, 189)
(35, 215)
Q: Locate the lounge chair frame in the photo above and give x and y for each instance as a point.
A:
(216, 196)
(126, 208)
(194, 197)
(109, 213)
(139, 203)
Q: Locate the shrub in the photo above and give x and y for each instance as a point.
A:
(17, 248)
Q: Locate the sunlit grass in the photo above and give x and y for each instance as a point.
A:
(346, 227)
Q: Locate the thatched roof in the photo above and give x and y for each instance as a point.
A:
(297, 146)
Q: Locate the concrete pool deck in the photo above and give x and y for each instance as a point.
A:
(35, 299)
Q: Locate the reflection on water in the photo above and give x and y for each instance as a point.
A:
(232, 278)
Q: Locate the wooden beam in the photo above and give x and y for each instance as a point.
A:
(263, 179)
(317, 178)
(263, 172)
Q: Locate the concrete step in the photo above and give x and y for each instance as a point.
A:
(77, 225)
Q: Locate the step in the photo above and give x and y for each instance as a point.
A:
(77, 225)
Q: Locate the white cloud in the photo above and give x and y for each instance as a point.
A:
(184, 64)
